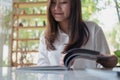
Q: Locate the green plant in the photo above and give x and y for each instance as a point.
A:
(117, 53)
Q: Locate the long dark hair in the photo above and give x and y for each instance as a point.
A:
(78, 31)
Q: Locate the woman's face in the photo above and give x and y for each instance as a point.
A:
(60, 10)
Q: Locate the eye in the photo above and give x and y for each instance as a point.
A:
(53, 2)
(63, 2)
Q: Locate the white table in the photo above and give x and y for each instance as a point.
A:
(7, 73)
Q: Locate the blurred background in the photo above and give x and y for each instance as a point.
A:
(104, 12)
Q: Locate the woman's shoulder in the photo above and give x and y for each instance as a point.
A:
(42, 35)
(92, 25)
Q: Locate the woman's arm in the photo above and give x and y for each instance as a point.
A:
(109, 62)
(42, 57)
(102, 46)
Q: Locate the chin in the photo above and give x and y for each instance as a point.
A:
(59, 19)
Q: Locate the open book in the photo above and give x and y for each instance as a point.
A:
(70, 56)
(82, 53)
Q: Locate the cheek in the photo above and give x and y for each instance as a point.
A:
(67, 10)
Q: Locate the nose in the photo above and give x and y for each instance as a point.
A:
(57, 6)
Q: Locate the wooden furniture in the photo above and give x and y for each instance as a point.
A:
(28, 21)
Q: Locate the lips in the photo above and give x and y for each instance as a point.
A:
(58, 14)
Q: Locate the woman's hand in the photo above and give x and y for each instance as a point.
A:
(62, 62)
(109, 62)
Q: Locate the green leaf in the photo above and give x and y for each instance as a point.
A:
(119, 60)
(117, 53)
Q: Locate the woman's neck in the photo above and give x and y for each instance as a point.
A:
(64, 26)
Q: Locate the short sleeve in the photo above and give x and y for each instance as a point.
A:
(100, 42)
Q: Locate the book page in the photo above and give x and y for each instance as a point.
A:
(43, 68)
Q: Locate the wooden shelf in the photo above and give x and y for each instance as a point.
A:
(29, 27)
(23, 64)
(28, 16)
(26, 64)
(27, 51)
(29, 4)
(28, 39)
(22, 13)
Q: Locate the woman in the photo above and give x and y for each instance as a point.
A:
(67, 30)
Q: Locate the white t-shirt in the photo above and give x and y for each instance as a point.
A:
(96, 42)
